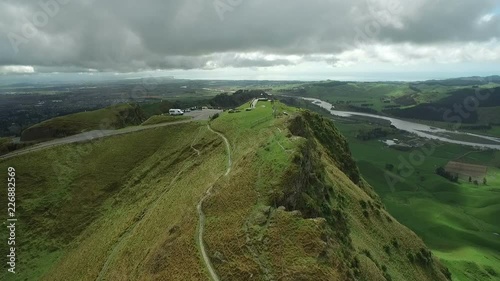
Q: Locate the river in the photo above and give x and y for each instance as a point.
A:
(418, 129)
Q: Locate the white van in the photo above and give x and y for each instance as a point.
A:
(175, 112)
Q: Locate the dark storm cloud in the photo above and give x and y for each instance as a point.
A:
(127, 35)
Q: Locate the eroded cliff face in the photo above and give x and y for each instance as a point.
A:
(361, 240)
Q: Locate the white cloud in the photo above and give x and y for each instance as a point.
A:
(131, 36)
(16, 69)
(486, 18)
(412, 54)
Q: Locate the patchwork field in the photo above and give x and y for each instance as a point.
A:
(464, 170)
(459, 222)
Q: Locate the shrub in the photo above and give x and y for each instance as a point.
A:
(411, 257)
(215, 116)
(395, 243)
(491, 271)
(442, 172)
(387, 249)
(366, 214)
(424, 257)
(389, 167)
(363, 204)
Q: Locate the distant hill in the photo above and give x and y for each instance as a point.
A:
(225, 100)
(237, 98)
(436, 111)
(464, 81)
(293, 206)
(114, 117)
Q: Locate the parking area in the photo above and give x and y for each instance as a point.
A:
(204, 114)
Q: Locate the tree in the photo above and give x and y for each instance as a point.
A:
(389, 167)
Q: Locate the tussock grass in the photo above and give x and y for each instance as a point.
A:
(79, 201)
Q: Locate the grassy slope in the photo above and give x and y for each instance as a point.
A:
(253, 239)
(158, 119)
(78, 201)
(4, 142)
(113, 117)
(125, 208)
(456, 221)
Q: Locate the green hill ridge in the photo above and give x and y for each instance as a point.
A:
(113, 117)
(293, 207)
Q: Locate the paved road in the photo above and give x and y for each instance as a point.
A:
(254, 103)
(97, 134)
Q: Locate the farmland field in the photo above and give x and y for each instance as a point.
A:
(459, 222)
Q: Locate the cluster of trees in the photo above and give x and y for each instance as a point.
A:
(238, 98)
(447, 175)
(476, 127)
(454, 177)
(476, 182)
(375, 133)
(362, 109)
(405, 100)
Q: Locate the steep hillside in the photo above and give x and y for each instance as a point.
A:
(291, 206)
(291, 209)
(113, 117)
(83, 206)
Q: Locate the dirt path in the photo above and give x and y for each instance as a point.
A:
(131, 229)
(201, 215)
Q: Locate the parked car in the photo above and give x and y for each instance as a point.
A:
(187, 110)
(175, 111)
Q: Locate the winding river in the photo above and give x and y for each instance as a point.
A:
(418, 129)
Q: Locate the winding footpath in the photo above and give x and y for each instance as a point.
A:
(201, 215)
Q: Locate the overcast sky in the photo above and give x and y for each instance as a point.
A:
(252, 39)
